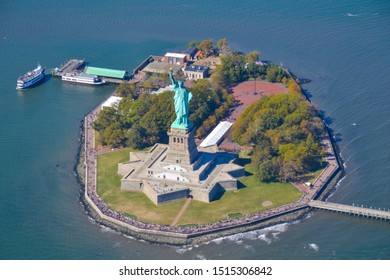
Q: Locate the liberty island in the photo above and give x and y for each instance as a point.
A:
(179, 170)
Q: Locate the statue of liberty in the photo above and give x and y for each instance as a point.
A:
(181, 99)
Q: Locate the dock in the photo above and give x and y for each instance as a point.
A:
(70, 66)
(351, 210)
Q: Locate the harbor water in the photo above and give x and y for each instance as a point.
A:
(342, 46)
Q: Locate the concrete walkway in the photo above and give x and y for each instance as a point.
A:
(181, 212)
(351, 210)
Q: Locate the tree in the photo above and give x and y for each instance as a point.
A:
(293, 86)
(135, 137)
(233, 69)
(105, 118)
(223, 47)
(206, 46)
(127, 89)
(252, 57)
(275, 73)
(266, 171)
(217, 78)
(272, 74)
(222, 43)
(192, 44)
(112, 135)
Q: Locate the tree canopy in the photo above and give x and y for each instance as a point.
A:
(284, 132)
(144, 120)
(237, 67)
(206, 46)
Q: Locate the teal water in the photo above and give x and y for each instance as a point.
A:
(342, 46)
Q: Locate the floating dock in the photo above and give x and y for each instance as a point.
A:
(71, 66)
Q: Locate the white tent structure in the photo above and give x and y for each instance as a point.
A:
(111, 102)
(216, 135)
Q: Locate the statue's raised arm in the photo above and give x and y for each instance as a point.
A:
(173, 82)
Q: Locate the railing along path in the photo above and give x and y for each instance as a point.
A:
(351, 210)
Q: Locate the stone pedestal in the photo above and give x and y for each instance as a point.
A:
(182, 147)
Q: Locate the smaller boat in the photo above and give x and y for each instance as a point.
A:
(84, 79)
(31, 78)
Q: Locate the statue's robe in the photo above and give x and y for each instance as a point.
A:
(181, 99)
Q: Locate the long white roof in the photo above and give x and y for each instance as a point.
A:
(216, 134)
(178, 55)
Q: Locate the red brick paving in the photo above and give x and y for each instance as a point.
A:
(244, 94)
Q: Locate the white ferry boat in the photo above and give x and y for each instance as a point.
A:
(31, 78)
(83, 79)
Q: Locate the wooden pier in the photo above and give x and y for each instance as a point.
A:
(71, 66)
(351, 210)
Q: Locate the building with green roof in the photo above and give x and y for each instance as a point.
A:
(105, 73)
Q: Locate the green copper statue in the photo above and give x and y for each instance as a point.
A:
(181, 99)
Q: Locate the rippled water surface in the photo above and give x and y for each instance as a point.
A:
(342, 46)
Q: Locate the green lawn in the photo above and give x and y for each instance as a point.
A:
(247, 200)
(132, 204)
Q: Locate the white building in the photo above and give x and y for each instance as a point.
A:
(175, 58)
(195, 72)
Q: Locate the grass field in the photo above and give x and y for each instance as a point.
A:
(132, 204)
(247, 200)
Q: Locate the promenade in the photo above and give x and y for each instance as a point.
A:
(311, 192)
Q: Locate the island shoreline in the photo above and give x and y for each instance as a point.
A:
(174, 238)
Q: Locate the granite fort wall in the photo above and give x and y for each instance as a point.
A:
(123, 169)
(240, 172)
(131, 185)
(172, 196)
(150, 192)
(230, 185)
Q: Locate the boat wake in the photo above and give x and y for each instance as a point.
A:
(267, 235)
(314, 247)
(335, 188)
(200, 257)
(184, 249)
(363, 14)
